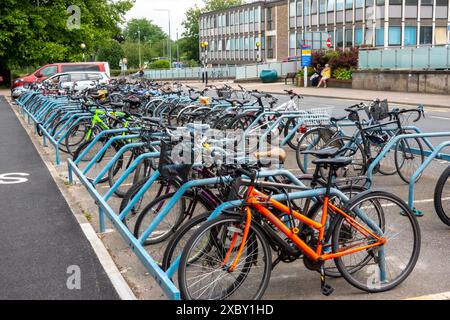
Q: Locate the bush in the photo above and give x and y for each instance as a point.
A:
(347, 59)
(160, 64)
(343, 73)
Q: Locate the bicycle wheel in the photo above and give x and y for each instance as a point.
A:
(442, 197)
(313, 139)
(178, 242)
(98, 166)
(408, 158)
(388, 264)
(295, 138)
(359, 159)
(315, 213)
(78, 134)
(206, 277)
(157, 189)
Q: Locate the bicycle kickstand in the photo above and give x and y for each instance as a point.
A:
(325, 288)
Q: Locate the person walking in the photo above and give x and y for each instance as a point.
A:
(326, 74)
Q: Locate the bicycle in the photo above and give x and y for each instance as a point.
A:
(442, 197)
(224, 255)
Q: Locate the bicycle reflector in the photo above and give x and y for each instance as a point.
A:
(303, 128)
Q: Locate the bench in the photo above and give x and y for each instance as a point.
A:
(290, 75)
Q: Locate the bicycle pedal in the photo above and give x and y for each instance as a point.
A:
(327, 290)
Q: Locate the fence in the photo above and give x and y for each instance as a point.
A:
(191, 73)
(407, 58)
(253, 70)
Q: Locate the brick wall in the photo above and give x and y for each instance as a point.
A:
(282, 32)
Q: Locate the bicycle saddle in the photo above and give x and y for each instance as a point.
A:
(152, 120)
(334, 162)
(329, 152)
(272, 153)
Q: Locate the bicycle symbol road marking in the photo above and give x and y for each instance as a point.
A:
(13, 178)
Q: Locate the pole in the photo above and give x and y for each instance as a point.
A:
(139, 46)
(305, 76)
(178, 49)
(170, 46)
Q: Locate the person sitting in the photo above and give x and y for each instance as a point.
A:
(316, 75)
(326, 74)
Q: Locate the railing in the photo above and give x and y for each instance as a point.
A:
(406, 58)
(191, 73)
(252, 71)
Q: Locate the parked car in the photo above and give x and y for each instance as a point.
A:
(82, 80)
(51, 69)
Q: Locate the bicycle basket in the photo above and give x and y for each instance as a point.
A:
(167, 168)
(380, 110)
(225, 94)
(353, 116)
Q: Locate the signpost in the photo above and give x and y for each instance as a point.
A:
(306, 62)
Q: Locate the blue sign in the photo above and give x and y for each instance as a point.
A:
(306, 56)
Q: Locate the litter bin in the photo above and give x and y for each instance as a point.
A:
(268, 76)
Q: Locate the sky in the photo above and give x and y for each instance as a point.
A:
(145, 9)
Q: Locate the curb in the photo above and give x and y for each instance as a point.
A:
(117, 280)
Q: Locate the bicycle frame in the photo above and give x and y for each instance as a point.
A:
(254, 200)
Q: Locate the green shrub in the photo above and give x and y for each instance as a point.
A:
(160, 64)
(343, 73)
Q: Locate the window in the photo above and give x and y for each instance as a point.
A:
(246, 44)
(426, 35)
(241, 43)
(380, 2)
(427, 2)
(323, 6)
(306, 8)
(348, 38)
(270, 42)
(395, 36)
(292, 9)
(241, 19)
(440, 35)
(313, 6)
(299, 40)
(246, 16)
(49, 71)
(358, 37)
(228, 45)
(368, 37)
(379, 36)
(80, 67)
(394, 2)
(441, 2)
(348, 4)
(331, 37)
(339, 40)
(269, 19)
(369, 3)
(252, 43)
(232, 44)
(411, 2)
(331, 5)
(292, 44)
(410, 36)
(77, 77)
(252, 15)
(339, 5)
(299, 8)
(359, 3)
(94, 76)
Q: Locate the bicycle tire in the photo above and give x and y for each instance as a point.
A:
(438, 196)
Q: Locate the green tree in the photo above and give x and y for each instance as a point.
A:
(149, 31)
(190, 43)
(111, 52)
(32, 34)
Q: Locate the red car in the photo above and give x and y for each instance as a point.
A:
(50, 69)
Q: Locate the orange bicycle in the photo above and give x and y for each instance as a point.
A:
(373, 239)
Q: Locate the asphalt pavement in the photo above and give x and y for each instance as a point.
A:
(43, 251)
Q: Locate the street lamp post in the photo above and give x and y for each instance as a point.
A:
(139, 47)
(258, 52)
(204, 59)
(83, 47)
(169, 47)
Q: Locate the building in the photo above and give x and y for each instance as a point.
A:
(376, 23)
(255, 31)
(282, 27)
